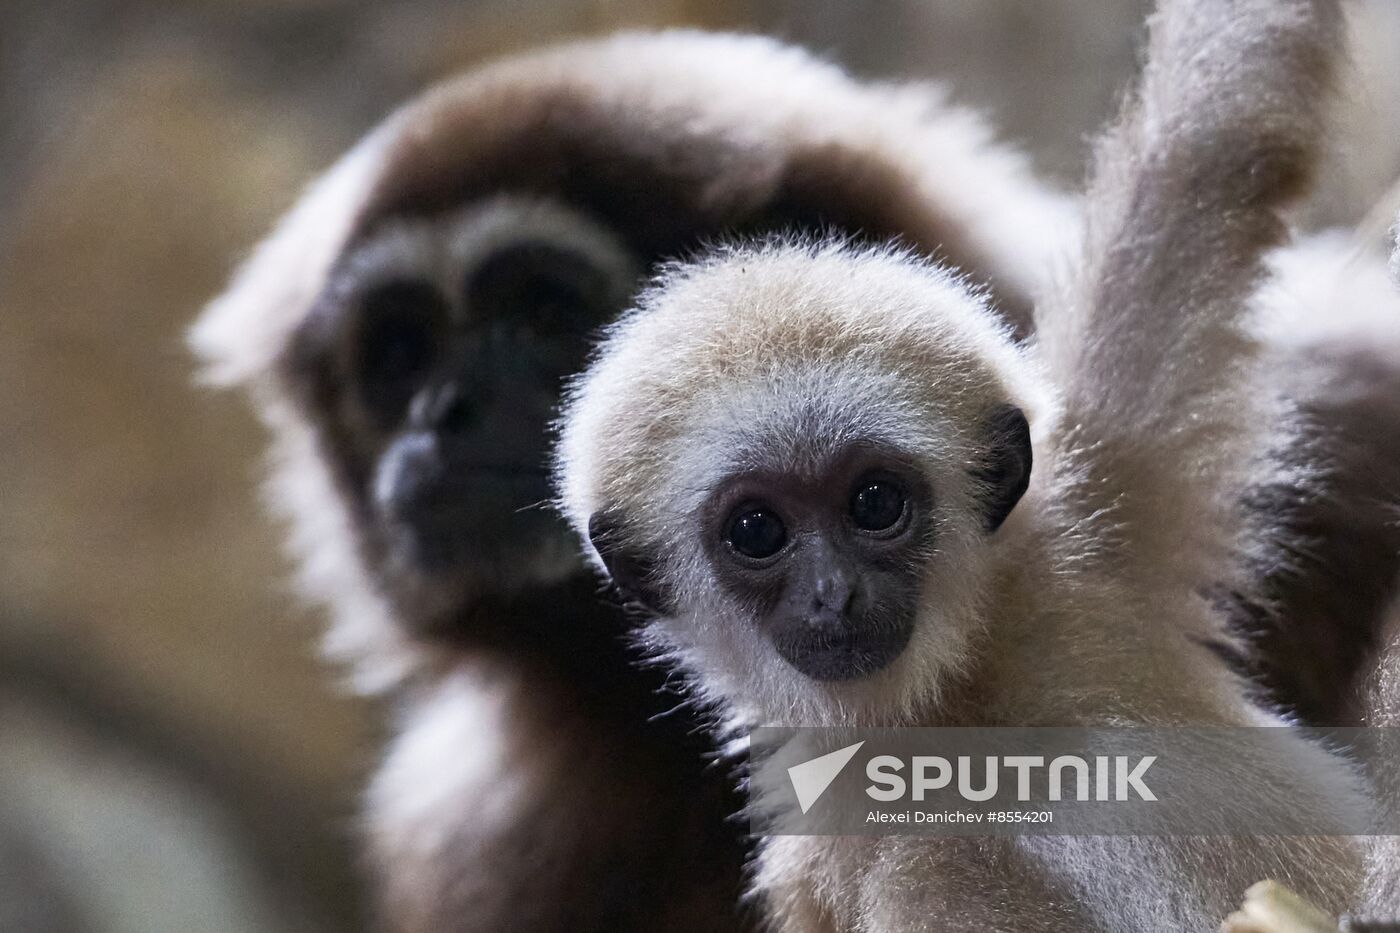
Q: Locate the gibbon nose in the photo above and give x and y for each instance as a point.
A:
(834, 596)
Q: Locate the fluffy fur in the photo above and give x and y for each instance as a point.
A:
(632, 149)
(1148, 419)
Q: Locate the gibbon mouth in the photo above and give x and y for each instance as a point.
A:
(484, 516)
(846, 655)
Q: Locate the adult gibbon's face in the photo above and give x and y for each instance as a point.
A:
(436, 358)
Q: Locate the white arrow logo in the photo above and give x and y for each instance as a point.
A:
(811, 778)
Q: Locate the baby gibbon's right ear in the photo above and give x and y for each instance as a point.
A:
(1006, 472)
(632, 570)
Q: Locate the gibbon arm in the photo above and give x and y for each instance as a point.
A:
(1147, 342)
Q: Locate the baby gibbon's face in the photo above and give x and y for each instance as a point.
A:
(793, 458)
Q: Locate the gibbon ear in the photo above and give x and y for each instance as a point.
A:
(1006, 472)
(632, 570)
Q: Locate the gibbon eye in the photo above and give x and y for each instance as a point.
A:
(756, 533)
(877, 504)
(398, 341)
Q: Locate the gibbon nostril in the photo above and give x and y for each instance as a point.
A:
(445, 409)
(457, 415)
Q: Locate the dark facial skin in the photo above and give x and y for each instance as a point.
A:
(438, 404)
(471, 442)
(829, 565)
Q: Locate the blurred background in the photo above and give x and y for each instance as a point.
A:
(173, 756)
